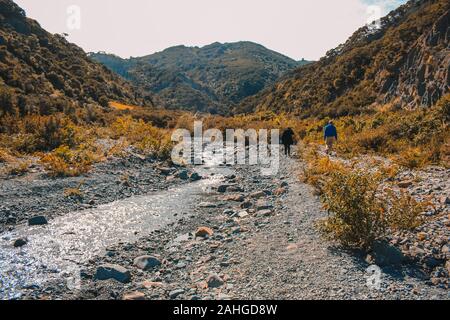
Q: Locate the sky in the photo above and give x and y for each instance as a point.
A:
(297, 28)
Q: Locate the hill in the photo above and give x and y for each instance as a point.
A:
(213, 78)
(404, 64)
(42, 73)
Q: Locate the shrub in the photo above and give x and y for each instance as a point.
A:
(404, 211)
(18, 169)
(318, 168)
(143, 136)
(412, 158)
(357, 214)
(64, 162)
(360, 213)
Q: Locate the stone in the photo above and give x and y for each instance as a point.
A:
(422, 236)
(431, 262)
(146, 262)
(445, 200)
(265, 213)
(204, 232)
(214, 281)
(183, 175)
(246, 205)
(447, 266)
(207, 205)
(165, 171)
(263, 205)
(229, 212)
(20, 243)
(235, 198)
(258, 194)
(405, 184)
(175, 293)
(223, 188)
(279, 192)
(37, 221)
(416, 252)
(112, 271)
(195, 177)
(243, 214)
(235, 188)
(152, 284)
(134, 296)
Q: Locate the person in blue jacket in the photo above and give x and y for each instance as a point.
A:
(330, 136)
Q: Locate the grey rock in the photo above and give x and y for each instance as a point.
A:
(146, 262)
(214, 281)
(20, 243)
(183, 175)
(37, 221)
(195, 177)
(258, 194)
(112, 271)
(175, 293)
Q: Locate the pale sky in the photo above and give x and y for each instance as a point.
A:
(297, 28)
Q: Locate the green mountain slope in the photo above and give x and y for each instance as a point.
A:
(213, 78)
(42, 73)
(404, 64)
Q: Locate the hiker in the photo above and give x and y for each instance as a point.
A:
(287, 139)
(330, 136)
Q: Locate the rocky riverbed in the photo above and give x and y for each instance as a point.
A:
(35, 194)
(240, 235)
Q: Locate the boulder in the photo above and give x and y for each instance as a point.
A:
(112, 271)
(37, 221)
(20, 243)
(146, 262)
(195, 177)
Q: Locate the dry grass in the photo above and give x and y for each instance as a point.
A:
(121, 107)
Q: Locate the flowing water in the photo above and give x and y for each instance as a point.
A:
(58, 249)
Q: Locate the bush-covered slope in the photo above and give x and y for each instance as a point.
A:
(43, 73)
(404, 64)
(213, 78)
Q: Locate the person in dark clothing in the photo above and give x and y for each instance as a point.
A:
(330, 136)
(287, 139)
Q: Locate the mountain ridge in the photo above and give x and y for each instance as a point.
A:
(212, 78)
(404, 64)
(43, 73)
